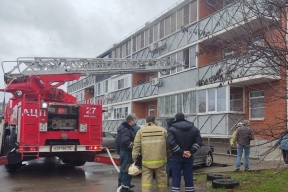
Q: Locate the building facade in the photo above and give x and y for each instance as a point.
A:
(215, 88)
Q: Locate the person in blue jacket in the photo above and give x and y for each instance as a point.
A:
(134, 129)
(184, 140)
(283, 145)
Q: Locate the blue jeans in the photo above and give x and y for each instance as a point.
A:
(240, 149)
(125, 161)
(178, 164)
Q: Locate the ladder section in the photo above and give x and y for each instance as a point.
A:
(86, 66)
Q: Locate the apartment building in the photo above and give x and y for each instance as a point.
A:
(207, 88)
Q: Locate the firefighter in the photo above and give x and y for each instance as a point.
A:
(150, 142)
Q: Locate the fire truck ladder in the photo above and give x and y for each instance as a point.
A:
(86, 66)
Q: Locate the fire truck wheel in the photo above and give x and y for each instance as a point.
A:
(13, 167)
(66, 161)
(78, 163)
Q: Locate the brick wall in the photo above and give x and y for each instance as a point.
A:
(141, 108)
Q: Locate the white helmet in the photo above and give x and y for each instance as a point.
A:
(134, 170)
(239, 124)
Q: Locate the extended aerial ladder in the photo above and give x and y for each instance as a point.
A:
(86, 66)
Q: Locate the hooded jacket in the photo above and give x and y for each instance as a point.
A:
(183, 136)
(125, 137)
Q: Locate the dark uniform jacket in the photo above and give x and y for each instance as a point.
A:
(184, 136)
(125, 137)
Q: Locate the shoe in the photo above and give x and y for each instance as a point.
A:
(247, 169)
(125, 190)
(131, 186)
(237, 169)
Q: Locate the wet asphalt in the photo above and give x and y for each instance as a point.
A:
(51, 175)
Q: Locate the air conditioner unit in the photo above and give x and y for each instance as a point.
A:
(161, 45)
(152, 47)
(156, 82)
(106, 115)
(229, 54)
(109, 96)
(110, 107)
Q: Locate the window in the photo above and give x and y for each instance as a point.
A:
(161, 30)
(142, 40)
(179, 103)
(128, 48)
(121, 83)
(180, 58)
(167, 26)
(211, 100)
(151, 35)
(81, 96)
(106, 86)
(120, 51)
(186, 58)
(124, 50)
(173, 58)
(192, 56)
(179, 18)
(256, 104)
(186, 15)
(173, 22)
(193, 11)
(156, 30)
(120, 112)
(146, 38)
(202, 101)
(138, 44)
(236, 99)
(221, 99)
(134, 44)
(183, 102)
(151, 110)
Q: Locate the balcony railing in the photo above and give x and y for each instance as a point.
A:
(236, 68)
(144, 90)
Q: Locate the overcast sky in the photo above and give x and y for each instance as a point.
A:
(70, 28)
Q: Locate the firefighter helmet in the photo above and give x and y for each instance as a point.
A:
(134, 170)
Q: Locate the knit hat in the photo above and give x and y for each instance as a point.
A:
(179, 116)
(132, 115)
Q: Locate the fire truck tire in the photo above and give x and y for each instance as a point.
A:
(78, 163)
(13, 167)
(66, 161)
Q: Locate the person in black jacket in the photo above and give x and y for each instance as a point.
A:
(184, 140)
(126, 138)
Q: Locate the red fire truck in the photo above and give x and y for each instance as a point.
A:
(42, 120)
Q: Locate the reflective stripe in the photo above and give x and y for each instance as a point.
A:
(153, 162)
(153, 141)
(161, 186)
(147, 185)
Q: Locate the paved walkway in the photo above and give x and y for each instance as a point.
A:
(226, 163)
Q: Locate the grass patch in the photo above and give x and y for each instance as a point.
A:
(255, 181)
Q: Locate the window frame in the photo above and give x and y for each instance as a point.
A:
(250, 112)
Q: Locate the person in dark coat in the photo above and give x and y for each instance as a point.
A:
(126, 139)
(184, 140)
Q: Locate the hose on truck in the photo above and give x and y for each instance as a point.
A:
(111, 158)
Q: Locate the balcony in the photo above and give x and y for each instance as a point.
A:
(243, 70)
(114, 97)
(144, 90)
(255, 12)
